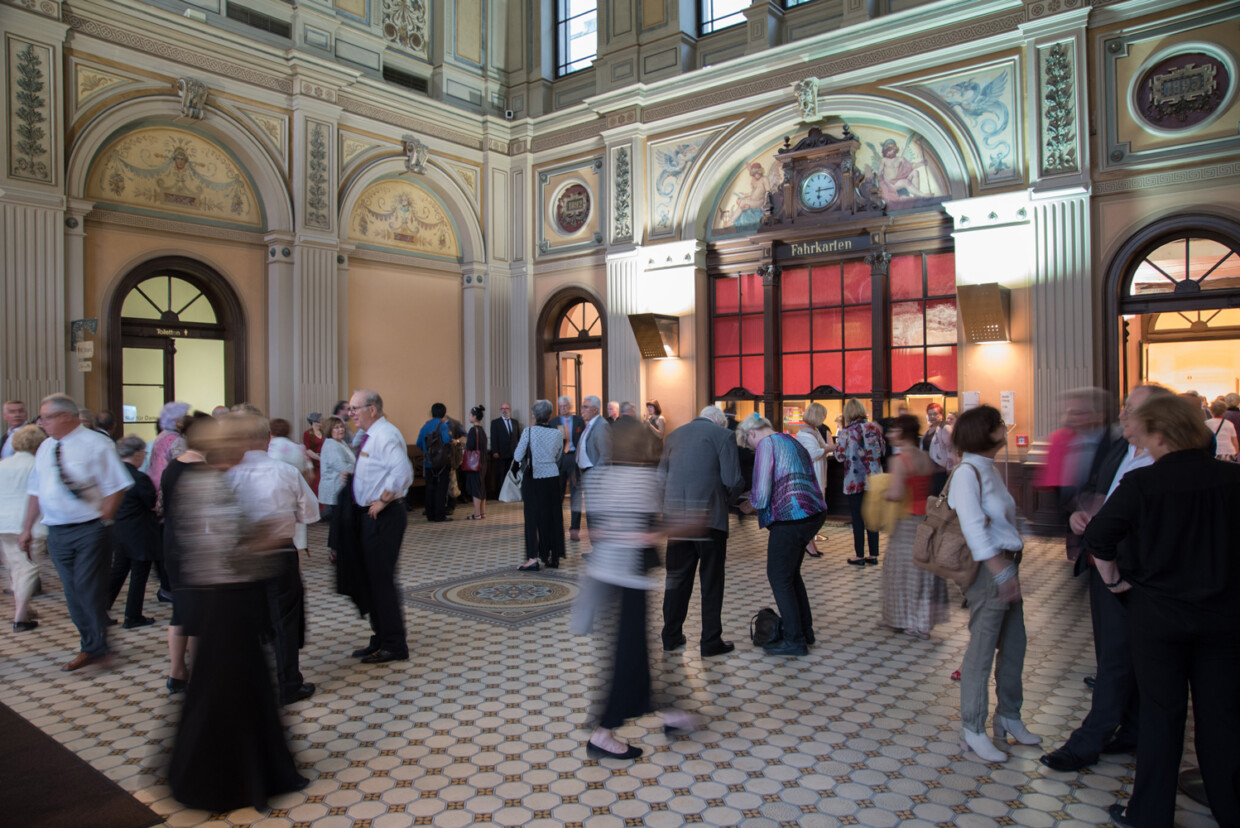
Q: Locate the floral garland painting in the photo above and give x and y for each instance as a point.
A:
(174, 171)
(399, 214)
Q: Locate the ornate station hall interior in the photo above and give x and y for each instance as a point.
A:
(759, 206)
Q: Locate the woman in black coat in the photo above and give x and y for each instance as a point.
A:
(136, 535)
(1166, 542)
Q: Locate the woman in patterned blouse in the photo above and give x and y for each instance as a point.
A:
(791, 507)
(859, 445)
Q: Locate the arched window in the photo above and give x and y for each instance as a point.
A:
(1185, 265)
(572, 347)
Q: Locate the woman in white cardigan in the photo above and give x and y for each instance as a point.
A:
(819, 450)
(987, 516)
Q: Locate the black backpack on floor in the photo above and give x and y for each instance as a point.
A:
(765, 627)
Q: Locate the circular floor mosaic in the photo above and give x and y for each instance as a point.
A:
(506, 597)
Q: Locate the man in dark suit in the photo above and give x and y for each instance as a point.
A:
(505, 432)
(571, 425)
(15, 417)
(702, 475)
(1111, 725)
(594, 447)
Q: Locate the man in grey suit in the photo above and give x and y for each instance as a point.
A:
(594, 447)
(702, 475)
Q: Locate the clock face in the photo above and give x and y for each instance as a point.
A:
(818, 190)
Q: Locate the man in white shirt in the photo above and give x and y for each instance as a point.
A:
(380, 481)
(275, 494)
(937, 442)
(78, 481)
(594, 447)
(1111, 725)
(15, 416)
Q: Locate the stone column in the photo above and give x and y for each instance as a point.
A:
(75, 275)
(1062, 302)
(476, 335)
(499, 338)
(34, 331)
(344, 389)
(624, 296)
(315, 333)
(281, 326)
(520, 343)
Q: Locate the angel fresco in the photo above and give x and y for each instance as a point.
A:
(902, 172)
(748, 208)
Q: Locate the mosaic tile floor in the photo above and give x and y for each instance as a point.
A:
(486, 723)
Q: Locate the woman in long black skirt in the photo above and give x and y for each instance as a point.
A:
(230, 749)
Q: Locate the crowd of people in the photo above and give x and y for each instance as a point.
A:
(218, 506)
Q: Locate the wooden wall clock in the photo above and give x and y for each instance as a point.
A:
(821, 183)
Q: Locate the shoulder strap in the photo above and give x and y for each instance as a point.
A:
(1219, 427)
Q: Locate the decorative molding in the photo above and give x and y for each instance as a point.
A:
(89, 81)
(30, 108)
(163, 225)
(468, 176)
(323, 93)
(318, 210)
(447, 269)
(176, 51)
(1035, 9)
(807, 97)
(1058, 138)
(1166, 179)
(405, 24)
(622, 229)
(193, 94)
(416, 154)
(272, 129)
(388, 116)
(353, 146)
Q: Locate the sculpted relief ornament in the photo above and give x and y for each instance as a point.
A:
(193, 97)
(405, 22)
(416, 154)
(807, 97)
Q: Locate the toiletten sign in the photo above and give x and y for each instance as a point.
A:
(821, 247)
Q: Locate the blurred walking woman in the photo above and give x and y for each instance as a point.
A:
(791, 508)
(23, 569)
(1177, 567)
(987, 515)
(859, 445)
(230, 749)
(538, 451)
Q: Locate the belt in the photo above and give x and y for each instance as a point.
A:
(1013, 555)
(72, 525)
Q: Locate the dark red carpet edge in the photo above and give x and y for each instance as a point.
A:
(45, 785)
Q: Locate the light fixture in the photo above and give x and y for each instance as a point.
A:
(658, 336)
(985, 312)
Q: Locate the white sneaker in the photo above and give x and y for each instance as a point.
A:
(1003, 727)
(982, 746)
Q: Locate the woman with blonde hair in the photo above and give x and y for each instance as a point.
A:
(860, 446)
(791, 508)
(817, 447)
(23, 569)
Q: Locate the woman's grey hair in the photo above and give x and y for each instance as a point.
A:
(541, 411)
(60, 404)
(129, 445)
(171, 414)
(753, 421)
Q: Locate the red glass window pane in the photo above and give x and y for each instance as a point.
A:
(826, 286)
(829, 370)
(753, 374)
(856, 283)
(906, 368)
(796, 331)
(906, 277)
(796, 374)
(727, 295)
(727, 374)
(941, 274)
(857, 327)
(941, 368)
(794, 288)
(727, 335)
(858, 372)
(907, 325)
(751, 293)
(941, 322)
(828, 330)
(751, 334)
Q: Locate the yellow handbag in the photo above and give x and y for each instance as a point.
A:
(879, 513)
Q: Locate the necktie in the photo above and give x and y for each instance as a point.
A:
(362, 444)
(508, 425)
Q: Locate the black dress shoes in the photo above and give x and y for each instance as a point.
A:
(529, 567)
(362, 652)
(1090, 681)
(1118, 817)
(300, 694)
(384, 656)
(722, 648)
(163, 596)
(140, 621)
(176, 685)
(676, 644)
(24, 626)
(1064, 761)
(786, 648)
(596, 752)
(1119, 744)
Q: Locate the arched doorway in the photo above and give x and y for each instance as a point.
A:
(177, 333)
(572, 339)
(1174, 307)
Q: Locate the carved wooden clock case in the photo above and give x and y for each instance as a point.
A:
(821, 183)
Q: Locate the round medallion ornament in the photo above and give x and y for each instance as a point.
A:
(572, 208)
(1183, 91)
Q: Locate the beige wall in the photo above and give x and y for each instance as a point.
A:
(112, 251)
(405, 340)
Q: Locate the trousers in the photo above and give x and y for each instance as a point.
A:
(683, 560)
(82, 555)
(23, 571)
(138, 573)
(785, 551)
(380, 540)
(860, 535)
(996, 637)
(436, 493)
(286, 614)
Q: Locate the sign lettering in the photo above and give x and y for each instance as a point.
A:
(820, 247)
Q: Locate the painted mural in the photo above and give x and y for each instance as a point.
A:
(908, 173)
(173, 171)
(983, 102)
(399, 214)
(670, 162)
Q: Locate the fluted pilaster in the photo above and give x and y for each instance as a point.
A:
(624, 296)
(33, 326)
(316, 338)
